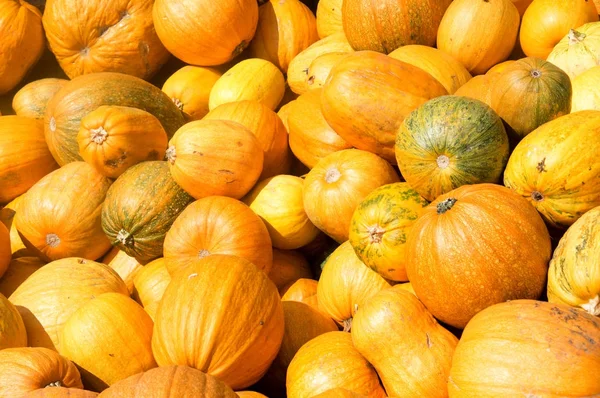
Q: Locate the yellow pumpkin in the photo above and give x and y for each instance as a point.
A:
(329, 17)
(578, 51)
(586, 90)
(150, 284)
(127, 267)
(7, 216)
(12, 328)
(18, 271)
(319, 69)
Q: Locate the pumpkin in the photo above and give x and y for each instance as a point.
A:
(285, 28)
(501, 67)
(18, 271)
(60, 392)
(110, 255)
(117, 37)
(283, 113)
(320, 68)
(520, 335)
(217, 225)
(266, 127)
(22, 44)
(24, 155)
(479, 33)
(166, 381)
(346, 284)
(31, 100)
(546, 22)
(411, 352)
(114, 138)
(479, 88)
(356, 114)
(59, 216)
(329, 17)
(150, 284)
(311, 138)
(339, 392)
(578, 51)
(338, 183)
(586, 95)
(250, 394)
(189, 88)
(84, 94)
(329, 361)
(597, 3)
(388, 24)
(304, 290)
(297, 72)
(223, 316)
(140, 208)
(574, 275)
(26, 369)
(51, 294)
(5, 252)
(407, 286)
(556, 169)
(288, 267)
(204, 32)
(444, 68)
(279, 203)
(252, 79)
(380, 226)
(109, 338)
(127, 268)
(451, 141)
(541, 90)
(215, 157)
(12, 328)
(7, 216)
(498, 265)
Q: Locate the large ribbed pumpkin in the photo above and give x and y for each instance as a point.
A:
(12, 328)
(451, 141)
(385, 25)
(476, 246)
(578, 51)
(556, 167)
(356, 114)
(51, 294)
(140, 208)
(217, 225)
(31, 100)
(223, 316)
(60, 216)
(502, 350)
(574, 274)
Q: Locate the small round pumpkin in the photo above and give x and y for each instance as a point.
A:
(586, 91)
(288, 267)
(451, 141)
(578, 51)
(31, 100)
(329, 17)
(380, 226)
(60, 392)
(18, 271)
(150, 284)
(12, 328)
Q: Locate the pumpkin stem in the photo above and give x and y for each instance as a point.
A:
(99, 135)
(56, 383)
(575, 37)
(124, 238)
(445, 205)
(332, 175)
(376, 233)
(443, 161)
(203, 253)
(537, 196)
(347, 324)
(536, 73)
(592, 306)
(178, 103)
(52, 124)
(52, 240)
(171, 155)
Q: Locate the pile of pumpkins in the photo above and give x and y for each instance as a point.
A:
(342, 198)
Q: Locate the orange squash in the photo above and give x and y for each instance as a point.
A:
(5, 252)
(597, 3)
(31, 100)
(209, 318)
(285, 28)
(305, 291)
(217, 225)
(18, 271)
(60, 392)
(479, 33)
(191, 30)
(507, 261)
(283, 113)
(546, 22)
(288, 267)
(339, 392)
(355, 113)
(26, 369)
(266, 127)
(215, 157)
(150, 284)
(68, 223)
(7, 217)
(24, 155)
(329, 17)
(320, 68)
(520, 335)
(12, 328)
(127, 268)
(250, 394)
(416, 357)
(386, 25)
(346, 283)
(338, 183)
(329, 361)
(479, 88)
(578, 51)
(50, 295)
(22, 41)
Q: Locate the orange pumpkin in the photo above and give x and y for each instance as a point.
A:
(68, 223)
(12, 328)
(408, 364)
(204, 32)
(250, 394)
(126, 267)
(339, 392)
(22, 42)
(266, 127)
(329, 17)
(320, 68)
(288, 267)
(31, 100)
(338, 183)
(50, 295)
(305, 291)
(215, 157)
(60, 392)
(7, 216)
(329, 361)
(110, 255)
(223, 316)
(5, 252)
(18, 271)
(217, 225)
(478, 33)
(285, 28)
(546, 22)
(479, 88)
(501, 67)
(507, 261)
(150, 284)
(356, 114)
(24, 155)
(283, 113)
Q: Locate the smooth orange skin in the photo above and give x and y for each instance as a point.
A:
(32, 98)
(288, 267)
(304, 290)
(7, 217)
